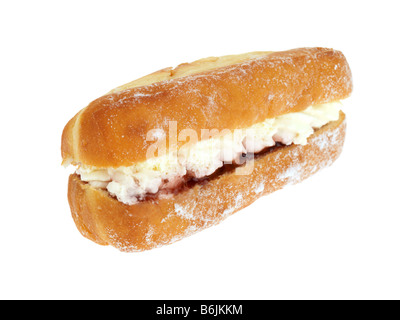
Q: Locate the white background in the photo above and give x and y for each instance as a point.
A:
(334, 236)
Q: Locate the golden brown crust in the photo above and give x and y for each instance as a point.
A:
(111, 131)
(154, 223)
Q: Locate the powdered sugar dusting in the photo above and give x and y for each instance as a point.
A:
(149, 235)
(325, 141)
(292, 175)
(236, 206)
(260, 188)
(183, 213)
(228, 212)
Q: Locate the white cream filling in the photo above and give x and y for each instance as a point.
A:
(130, 184)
